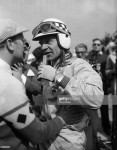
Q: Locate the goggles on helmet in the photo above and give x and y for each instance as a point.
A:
(50, 27)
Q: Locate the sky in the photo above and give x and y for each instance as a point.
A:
(86, 19)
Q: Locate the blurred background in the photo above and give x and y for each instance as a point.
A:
(86, 19)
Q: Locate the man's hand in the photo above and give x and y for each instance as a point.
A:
(17, 70)
(46, 72)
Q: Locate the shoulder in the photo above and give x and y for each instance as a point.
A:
(80, 62)
(8, 81)
(12, 92)
(81, 66)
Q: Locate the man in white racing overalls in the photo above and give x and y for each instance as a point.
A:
(77, 86)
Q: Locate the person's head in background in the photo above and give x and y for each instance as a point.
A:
(112, 48)
(81, 50)
(97, 45)
(38, 53)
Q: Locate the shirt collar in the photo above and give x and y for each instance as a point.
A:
(4, 65)
(113, 58)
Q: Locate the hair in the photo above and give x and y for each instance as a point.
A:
(2, 45)
(97, 39)
(81, 45)
(38, 53)
(111, 44)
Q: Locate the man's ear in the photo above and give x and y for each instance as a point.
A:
(9, 44)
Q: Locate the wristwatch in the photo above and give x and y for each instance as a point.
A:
(62, 80)
(58, 78)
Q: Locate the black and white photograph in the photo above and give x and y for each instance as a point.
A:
(58, 75)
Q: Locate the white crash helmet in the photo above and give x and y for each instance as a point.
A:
(53, 26)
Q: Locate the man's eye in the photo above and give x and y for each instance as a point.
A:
(48, 41)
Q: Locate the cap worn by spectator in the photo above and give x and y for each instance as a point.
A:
(8, 29)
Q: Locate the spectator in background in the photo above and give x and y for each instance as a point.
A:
(81, 50)
(112, 48)
(111, 72)
(98, 59)
(111, 65)
(91, 129)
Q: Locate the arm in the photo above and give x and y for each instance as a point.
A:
(37, 131)
(110, 70)
(19, 113)
(85, 86)
(32, 85)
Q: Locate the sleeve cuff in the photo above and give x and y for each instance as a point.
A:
(23, 77)
(62, 80)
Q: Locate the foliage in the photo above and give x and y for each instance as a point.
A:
(109, 37)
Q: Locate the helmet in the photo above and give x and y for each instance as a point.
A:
(53, 26)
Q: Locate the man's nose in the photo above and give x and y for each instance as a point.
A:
(80, 54)
(44, 47)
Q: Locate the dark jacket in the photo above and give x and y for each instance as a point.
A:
(100, 58)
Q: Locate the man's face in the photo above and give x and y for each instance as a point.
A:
(97, 45)
(113, 50)
(81, 52)
(50, 47)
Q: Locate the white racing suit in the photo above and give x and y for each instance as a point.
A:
(85, 91)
